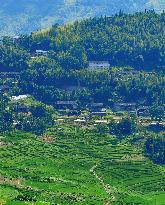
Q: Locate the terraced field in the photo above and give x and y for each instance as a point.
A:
(76, 167)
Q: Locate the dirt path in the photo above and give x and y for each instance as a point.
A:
(16, 183)
(105, 186)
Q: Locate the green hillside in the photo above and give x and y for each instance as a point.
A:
(82, 106)
(129, 42)
(77, 166)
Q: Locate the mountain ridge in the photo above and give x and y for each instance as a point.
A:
(19, 17)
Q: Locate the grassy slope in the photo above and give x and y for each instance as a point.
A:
(79, 167)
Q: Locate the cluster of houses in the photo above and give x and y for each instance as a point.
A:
(94, 113)
(99, 109)
(132, 108)
(96, 109)
(72, 108)
(98, 113)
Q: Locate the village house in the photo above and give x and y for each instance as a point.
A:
(70, 119)
(97, 107)
(128, 72)
(72, 105)
(101, 121)
(157, 126)
(16, 124)
(100, 114)
(143, 111)
(74, 113)
(149, 73)
(19, 97)
(80, 121)
(99, 64)
(125, 107)
(39, 53)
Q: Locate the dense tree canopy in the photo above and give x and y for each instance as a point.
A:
(136, 40)
(126, 40)
(154, 148)
(5, 115)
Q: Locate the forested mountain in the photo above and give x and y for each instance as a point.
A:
(135, 40)
(127, 41)
(21, 16)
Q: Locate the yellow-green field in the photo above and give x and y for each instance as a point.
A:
(76, 167)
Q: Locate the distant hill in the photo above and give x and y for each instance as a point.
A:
(22, 16)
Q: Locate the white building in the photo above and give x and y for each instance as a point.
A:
(41, 53)
(16, 39)
(99, 64)
(19, 97)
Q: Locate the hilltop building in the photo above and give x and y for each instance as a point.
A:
(99, 64)
(39, 53)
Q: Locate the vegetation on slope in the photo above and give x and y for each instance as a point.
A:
(70, 164)
(135, 40)
(127, 41)
(76, 167)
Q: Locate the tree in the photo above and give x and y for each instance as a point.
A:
(13, 59)
(157, 112)
(154, 148)
(102, 129)
(43, 71)
(75, 58)
(125, 127)
(6, 121)
(5, 116)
